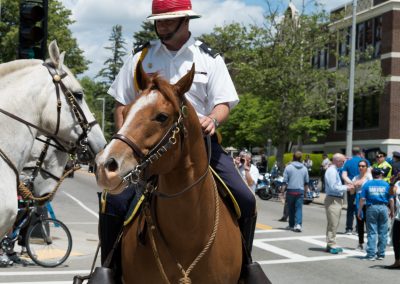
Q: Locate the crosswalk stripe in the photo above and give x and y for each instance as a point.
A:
(41, 282)
(279, 251)
(42, 272)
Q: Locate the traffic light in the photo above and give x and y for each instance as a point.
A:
(33, 29)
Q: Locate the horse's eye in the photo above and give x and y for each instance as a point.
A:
(161, 117)
(78, 95)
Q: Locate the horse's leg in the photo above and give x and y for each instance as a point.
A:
(8, 200)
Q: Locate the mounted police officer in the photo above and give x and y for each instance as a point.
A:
(212, 93)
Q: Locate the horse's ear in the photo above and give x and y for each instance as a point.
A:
(55, 56)
(141, 78)
(184, 84)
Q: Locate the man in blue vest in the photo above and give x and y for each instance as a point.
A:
(375, 195)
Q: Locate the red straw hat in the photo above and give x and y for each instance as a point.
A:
(170, 9)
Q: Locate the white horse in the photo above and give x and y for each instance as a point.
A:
(37, 98)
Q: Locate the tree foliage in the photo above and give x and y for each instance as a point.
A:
(114, 63)
(93, 92)
(58, 28)
(146, 34)
(282, 95)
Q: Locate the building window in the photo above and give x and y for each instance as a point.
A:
(322, 59)
(365, 115)
(360, 39)
(369, 33)
(377, 36)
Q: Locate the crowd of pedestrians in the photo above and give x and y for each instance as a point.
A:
(371, 193)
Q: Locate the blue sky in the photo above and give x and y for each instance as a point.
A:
(95, 19)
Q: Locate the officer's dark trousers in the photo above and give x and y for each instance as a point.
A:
(223, 164)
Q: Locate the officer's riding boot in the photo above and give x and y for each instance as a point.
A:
(247, 227)
(252, 273)
(110, 227)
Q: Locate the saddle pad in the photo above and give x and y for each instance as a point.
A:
(226, 194)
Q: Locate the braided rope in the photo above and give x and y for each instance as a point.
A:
(185, 279)
(26, 193)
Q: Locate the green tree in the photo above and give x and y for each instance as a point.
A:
(146, 34)
(93, 91)
(58, 22)
(273, 63)
(115, 62)
(9, 30)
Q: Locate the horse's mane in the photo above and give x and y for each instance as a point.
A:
(9, 67)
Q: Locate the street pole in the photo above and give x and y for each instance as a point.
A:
(349, 132)
(102, 113)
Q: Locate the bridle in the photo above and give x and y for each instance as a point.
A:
(39, 163)
(26, 187)
(82, 144)
(167, 141)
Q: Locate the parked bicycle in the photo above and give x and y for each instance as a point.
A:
(48, 241)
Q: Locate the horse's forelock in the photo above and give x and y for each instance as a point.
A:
(159, 83)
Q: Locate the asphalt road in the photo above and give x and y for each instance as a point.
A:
(286, 256)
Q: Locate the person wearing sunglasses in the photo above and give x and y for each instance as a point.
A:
(383, 164)
(358, 181)
(349, 171)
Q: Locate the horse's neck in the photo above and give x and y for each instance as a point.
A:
(23, 99)
(194, 207)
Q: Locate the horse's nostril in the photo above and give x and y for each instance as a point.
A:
(111, 165)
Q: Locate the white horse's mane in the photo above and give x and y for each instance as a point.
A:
(9, 67)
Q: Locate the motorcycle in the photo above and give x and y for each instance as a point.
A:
(269, 186)
(313, 191)
(262, 187)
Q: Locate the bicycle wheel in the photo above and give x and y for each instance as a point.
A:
(48, 242)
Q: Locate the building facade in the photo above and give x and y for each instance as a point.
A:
(376, 122)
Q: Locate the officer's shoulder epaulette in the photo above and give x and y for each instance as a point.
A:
(207, 49)
(140, 47)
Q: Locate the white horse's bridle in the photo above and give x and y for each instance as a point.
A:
(81, 145)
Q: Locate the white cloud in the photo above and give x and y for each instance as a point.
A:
(95, 19)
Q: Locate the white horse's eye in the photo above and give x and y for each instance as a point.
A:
(78, 95)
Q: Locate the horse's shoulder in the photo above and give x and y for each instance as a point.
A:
(206, 49)
(141, 47)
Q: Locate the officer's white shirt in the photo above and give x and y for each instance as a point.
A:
(212, 83)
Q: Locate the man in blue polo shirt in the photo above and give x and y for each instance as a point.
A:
(349, 171)
(375, 195)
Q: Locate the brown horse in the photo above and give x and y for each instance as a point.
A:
(191, 235)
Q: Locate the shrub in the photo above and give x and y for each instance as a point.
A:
(287, 158)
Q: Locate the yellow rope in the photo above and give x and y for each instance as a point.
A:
(185, 279)
(26, 193)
